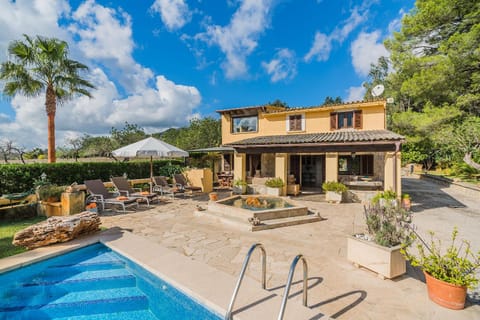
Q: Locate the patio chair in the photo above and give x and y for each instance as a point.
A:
(100, 195)
(162, 186)
(124, 188)
(183, 184)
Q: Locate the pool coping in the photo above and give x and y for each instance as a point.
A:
(209, 286)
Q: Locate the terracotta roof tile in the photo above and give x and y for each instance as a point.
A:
(338, 136)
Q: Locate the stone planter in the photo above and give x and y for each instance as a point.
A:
(240, 189)
(274, 191)
(386, 262)
(49, 209)
(332, 196)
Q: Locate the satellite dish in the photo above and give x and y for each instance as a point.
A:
(378, 90)
(390, 100)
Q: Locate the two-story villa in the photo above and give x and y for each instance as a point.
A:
(308, 146)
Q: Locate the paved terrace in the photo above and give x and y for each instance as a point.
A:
(336, 287)
(206, 255)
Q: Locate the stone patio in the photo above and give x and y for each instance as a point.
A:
(336, 288)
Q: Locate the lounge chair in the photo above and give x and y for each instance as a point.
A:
(183, 184)
(100, 195)
(162, 186)
(124, 188)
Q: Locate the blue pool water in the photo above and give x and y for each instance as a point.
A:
(93, 283)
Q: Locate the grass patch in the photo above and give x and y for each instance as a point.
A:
(7, 230)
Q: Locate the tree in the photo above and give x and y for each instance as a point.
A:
(129, 134)
(435, 56)
(201, 133)
(330, 100)
(42, 65)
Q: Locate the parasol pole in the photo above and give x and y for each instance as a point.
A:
(151, 174)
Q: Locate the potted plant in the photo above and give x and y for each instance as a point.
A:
(274, 186)
(334, 191)
(239, 186)
(387, 197)
(49, 200)
(448, 273)
(379, 249)
(406, 201)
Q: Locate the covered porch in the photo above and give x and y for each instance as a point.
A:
(363, 160)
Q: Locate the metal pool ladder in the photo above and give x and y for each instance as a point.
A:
(289, 283)
(228, 315)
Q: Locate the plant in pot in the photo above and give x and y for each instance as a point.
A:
(379, 249)
(50, 192)
(406, 201)
(334, 191)
(448, 273)
(384, 198)
(239, 186)
(274, 186)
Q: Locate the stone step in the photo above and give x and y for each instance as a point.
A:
(285, 222)
(265, 224)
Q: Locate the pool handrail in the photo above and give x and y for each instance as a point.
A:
(289, 283)
(228, 315)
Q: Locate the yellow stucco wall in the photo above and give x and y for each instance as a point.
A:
(331, 166)
(239, 166)
(281, 166)
(390, 175)
(316, 120)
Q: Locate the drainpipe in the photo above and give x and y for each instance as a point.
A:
(395, 173)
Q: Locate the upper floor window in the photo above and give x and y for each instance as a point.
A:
(295, 122)
(343, 120)
(244, 124)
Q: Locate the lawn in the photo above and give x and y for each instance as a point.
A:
(7, 230)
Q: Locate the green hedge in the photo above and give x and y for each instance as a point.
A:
(20, 177)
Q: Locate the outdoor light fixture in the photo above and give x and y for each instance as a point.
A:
(353, 155)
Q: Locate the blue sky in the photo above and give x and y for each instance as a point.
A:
(159, 63)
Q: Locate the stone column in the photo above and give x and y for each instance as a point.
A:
(331, 166)
(281, 167)
(393, 172)
(240, 164)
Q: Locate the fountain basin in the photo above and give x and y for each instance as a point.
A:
(260, 207)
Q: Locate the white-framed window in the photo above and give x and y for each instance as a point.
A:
(296, 122)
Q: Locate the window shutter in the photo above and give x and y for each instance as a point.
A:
(357, 118)
(333, 121)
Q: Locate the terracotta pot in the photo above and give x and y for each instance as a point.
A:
(447, 295)
(213, 196)
(406, 204)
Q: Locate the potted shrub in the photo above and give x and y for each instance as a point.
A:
(388, 197)
(448, 273)
(406, 201)
(239, 186)
(49, 200)
(379, 249)
(274, 186)
(334, 191)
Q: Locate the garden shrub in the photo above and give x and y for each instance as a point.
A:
(21, 177)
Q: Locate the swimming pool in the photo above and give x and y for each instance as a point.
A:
(93, 283)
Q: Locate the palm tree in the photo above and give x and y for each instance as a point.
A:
(42, 65)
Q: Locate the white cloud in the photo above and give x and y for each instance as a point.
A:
(32, 18)
(355, 94)
(106, 37)
(102, 35)
(365, 50)
(239, 38)
(282, 66)
(322, 43)
(174, 13)
(396, 24)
